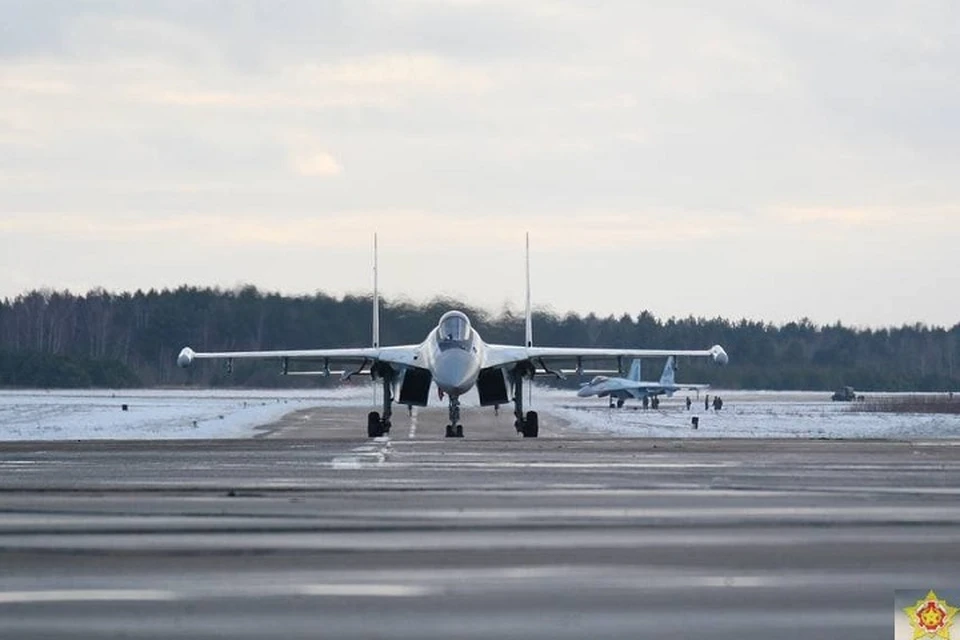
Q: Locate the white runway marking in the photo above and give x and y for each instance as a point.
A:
(365, 590)
(413, 423)
(371, 590)
(87, 595)
(364, 455)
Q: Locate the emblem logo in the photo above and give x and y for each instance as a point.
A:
(931, 618)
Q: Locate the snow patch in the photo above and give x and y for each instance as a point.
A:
(745, 414)
(157, 414)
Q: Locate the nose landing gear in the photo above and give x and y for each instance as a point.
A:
(454, 429)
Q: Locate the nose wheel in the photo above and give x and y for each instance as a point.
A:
(454, 429)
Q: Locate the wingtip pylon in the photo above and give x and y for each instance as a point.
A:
(719, 355)
(185, 359)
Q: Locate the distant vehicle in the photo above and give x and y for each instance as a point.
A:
(844, 394)
(621, 389)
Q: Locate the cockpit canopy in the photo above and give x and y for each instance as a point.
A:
(598, 379)
(454, 330)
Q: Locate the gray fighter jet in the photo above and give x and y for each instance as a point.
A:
(622, 389)
(454, 358)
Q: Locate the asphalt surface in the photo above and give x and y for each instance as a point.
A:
(310, 530)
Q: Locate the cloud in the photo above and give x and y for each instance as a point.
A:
(724, 137)
(594, 230)
(318, 163)
(872, 217)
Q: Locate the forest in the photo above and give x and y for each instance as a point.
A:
(52, 339)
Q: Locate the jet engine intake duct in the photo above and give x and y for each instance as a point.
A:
(415, 387)
(492, 386)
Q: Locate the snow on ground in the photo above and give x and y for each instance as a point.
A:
(157, 414)
(182, 413)
(745, 414)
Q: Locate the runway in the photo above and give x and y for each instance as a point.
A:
(311, 530)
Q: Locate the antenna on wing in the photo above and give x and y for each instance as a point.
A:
(529, 333)
(376, 298)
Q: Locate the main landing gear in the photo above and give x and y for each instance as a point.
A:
(528, 425)
(379, 426)
(454, 429)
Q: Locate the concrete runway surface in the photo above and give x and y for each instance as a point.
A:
(311, 530)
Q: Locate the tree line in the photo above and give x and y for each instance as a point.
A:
(104, 339)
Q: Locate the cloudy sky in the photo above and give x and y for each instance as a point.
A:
(760, 159)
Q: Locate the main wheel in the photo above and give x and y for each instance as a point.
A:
(619, 403)
(450, 433)
(532, 427)
(458, 431)
(386, 426)
(374, 430)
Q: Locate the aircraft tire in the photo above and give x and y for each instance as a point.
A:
(458, 431)
(531, 427)
(449, 433)
(374, 429)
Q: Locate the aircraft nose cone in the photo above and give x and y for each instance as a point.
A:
(455, 371)
(585, 392)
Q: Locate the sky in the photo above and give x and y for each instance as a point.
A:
(758, 159)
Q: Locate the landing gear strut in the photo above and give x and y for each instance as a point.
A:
(528, 425)
(377, 426)
(454, 429)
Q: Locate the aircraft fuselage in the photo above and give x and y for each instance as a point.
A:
(453, 353)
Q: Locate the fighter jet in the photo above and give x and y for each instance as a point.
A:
(453, 357)
(621, 389)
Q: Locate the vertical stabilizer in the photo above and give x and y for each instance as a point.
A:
(376, 298)
(667, 379)
(634, 371)
(529, 317)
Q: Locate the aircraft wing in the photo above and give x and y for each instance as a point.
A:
(498, 355)
(691, 387)
(406, 355)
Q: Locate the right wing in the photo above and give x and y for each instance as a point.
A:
(405, 355)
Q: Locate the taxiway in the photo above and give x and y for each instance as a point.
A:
(311, 530)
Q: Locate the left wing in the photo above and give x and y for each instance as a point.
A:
(499, 355)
